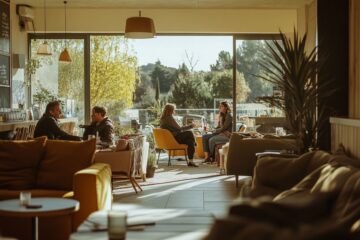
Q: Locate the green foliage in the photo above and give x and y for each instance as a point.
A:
(289, 67)
(113, 72)
(30, 69)
(191, 92)
(121, 131)
(248, 55)
(151, 159)
(164, 75)
(43, 96)
(224, 62)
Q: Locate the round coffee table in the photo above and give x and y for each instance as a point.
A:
(49, 207)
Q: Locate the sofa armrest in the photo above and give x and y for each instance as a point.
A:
(92, 188)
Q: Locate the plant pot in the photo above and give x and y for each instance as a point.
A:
(150, 171)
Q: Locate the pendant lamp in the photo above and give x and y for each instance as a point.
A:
(139, 27)
(64, 55)
(44, 48)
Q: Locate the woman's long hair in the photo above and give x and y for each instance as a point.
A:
(168, 110)
(228, 110)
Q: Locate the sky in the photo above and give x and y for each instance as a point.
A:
(171, 50)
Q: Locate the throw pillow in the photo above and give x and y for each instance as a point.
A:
(61, 161)
(18, 163)
(121, 145)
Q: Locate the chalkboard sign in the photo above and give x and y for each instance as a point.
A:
(4, 97)
(4, 27)
(4, 70)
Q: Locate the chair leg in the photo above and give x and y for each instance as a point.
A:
(169, 162)
(157, 163)
(133, 185)
(237, 180)
(137, 184)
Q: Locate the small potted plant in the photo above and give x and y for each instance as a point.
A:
(151, 164)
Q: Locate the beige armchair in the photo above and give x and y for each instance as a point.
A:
(240, 158)
(127, 162)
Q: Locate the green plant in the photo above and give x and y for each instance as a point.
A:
(43, 96)
(121, 131)
(30, 69)
(151, 159)
(293, 71)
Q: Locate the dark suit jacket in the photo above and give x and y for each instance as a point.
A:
(48, 126)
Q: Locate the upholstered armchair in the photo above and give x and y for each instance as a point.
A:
(240, 158)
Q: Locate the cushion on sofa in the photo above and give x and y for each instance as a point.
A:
(18, 163)
(61, 161)
(121, 145)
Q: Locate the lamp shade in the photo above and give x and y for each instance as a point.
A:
(44, 49)
(64, 56)
(139, 27)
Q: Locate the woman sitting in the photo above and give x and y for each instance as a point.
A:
(221, 134)
(181, 134)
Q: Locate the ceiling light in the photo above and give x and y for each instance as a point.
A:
(139, 27)
(44, 48)
(64, 55)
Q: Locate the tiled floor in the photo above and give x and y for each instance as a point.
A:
(213, 194)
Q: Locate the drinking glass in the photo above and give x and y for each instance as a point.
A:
(117, 225)
(25, 198)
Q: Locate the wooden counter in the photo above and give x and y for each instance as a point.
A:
(67, 124)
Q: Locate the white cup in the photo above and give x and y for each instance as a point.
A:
(117, 225)
(91, 137)
(25, 198)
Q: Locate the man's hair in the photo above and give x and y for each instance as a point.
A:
(51, 106)
(101, 110)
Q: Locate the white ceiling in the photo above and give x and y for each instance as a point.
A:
(168, 4)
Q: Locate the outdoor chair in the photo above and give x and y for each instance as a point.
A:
(164, 140)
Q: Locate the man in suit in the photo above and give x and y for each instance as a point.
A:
(48, 124)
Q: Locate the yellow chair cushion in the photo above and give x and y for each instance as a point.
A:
(61, 161)
(18, 163)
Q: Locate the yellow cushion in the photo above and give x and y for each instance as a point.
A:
(61, 161)
(18, 162)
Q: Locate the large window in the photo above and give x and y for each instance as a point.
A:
(135, 78)
(250, 51)
(57, 80)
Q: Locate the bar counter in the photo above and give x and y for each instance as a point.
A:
(12, 125)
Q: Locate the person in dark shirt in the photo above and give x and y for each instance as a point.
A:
(101, 124)
(48, 124)
(181, 134)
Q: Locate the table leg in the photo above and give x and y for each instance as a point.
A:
(35, 228)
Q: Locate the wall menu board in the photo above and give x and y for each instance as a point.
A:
(4, 27)
(4, 70)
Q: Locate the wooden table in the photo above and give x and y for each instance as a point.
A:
(50, 207)
(187, 224)
(199, 146)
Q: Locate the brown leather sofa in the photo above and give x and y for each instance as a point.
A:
(315, 196)
(49, 168)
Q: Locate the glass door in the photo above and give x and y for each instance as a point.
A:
(257, 116)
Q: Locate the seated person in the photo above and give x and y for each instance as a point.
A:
(181, 134)
(48, 124)
(100, 123)
(221, 134)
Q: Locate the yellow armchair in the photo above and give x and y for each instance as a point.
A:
(164, 140)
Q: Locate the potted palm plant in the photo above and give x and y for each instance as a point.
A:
(293, 70)
(151, 164)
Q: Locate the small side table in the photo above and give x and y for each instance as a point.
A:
(199, 146)
(49, 207)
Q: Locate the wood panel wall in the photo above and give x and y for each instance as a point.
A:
(354, 59)
(346, 131)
